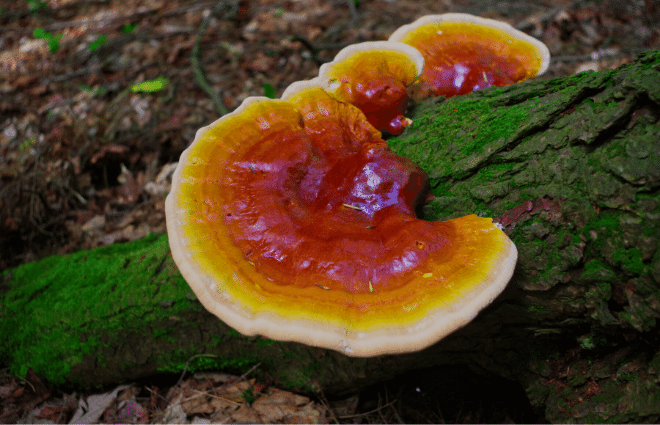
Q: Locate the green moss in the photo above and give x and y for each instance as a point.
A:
(536, 308)
(598, 271)
(592, 418)
(577, 380)
(630, 259)
(128, 365)
(233, 333)
(163, 334)
(592, 341)
(49, 292)
(537, 394)
(438, 131)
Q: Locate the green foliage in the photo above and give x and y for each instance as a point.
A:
(269, 91)
(26, 144)
(100, 91)
(53, 40)
(150, 86)
(589, 342)
(36, 5)
(128, 28)
(249, 396)
(96, 44)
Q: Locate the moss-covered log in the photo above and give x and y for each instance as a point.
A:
(570, 167)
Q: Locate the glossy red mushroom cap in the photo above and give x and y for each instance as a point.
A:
(463, 53)
(293, 220)
(377, 77)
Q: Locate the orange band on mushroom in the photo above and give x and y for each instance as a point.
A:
(293, 220)
(464, 53)
(377, 77)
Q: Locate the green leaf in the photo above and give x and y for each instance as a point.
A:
(35, 5)
(41, 33)
(269, 91)
(53, 44)
(248, 396)
(96, 44)
(91, 90)
(150, 86)
(128, 28)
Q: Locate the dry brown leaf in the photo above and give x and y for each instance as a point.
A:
(246, 414)
(284, 406)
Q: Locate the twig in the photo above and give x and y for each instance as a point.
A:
(314, 49)
(245, 375)
(352, 9)
(185, 368)
(326, 403)
(195, 58)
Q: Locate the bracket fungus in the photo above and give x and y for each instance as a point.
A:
(378, 77)
(464, 53)
(292, 219)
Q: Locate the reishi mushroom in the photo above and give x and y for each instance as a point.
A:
(463, 53)
(292, 219)
(378, 77)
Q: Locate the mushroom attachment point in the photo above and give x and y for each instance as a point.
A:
(464, 53)
(292, 219)
(378, 77)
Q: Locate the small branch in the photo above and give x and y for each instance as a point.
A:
(314, 49)
(195, 58)
(352, 9)
(185, 368)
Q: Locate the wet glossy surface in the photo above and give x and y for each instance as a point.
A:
(341, 215)
(383, 101)
(378, 83)
(293, 220)
(463, 77)
(461, 58)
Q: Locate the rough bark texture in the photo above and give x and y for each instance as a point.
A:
(570, 167)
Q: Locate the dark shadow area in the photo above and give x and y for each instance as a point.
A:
(448, 394)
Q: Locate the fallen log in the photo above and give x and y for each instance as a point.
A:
(570, 167)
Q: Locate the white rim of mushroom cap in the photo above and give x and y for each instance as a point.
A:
(401, 32)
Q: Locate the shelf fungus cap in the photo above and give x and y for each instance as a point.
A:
(292, 219)
(464, 53)
(378, 77)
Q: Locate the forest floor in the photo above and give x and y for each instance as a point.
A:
(86, 151)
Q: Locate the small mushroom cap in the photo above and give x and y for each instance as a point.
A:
(378, 77)
(293, 220)
(463, 53)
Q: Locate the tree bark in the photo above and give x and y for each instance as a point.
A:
(570, 167)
